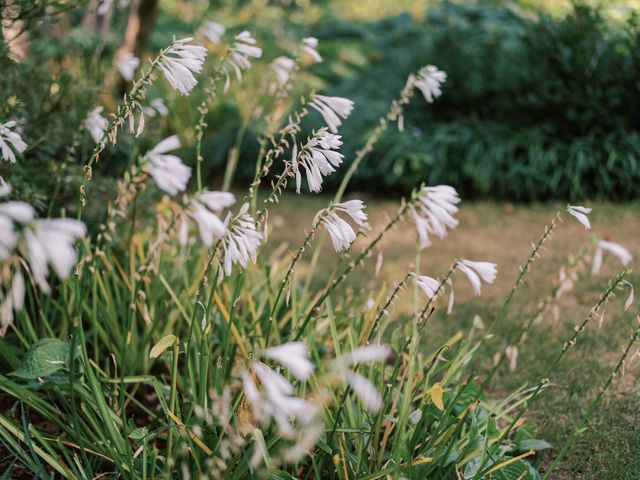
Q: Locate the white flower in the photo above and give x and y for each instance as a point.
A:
(213, 31)
(429, 80)
(476, 270)
(331, 109)
(364, 389)
(5, 188)
(168, 171)
(11, 212)
(179, 64)
(10, 141)
(294, 357)
(310, 45)
(580, 213)
(156, 107)
(434, 212)
(277, 401)
(96, 123)
(318, 159)
(342, 235)
(282, 67)
(367, 354)
(428, 285)
(127, 65)
(202, 209)
(243, 48)
(241, 241)
(51, 242)
(618, 250)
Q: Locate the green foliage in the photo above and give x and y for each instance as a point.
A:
(533, 108)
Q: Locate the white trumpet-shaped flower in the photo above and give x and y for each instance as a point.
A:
(180, 62)
(11, 212)
(5, 188)
(310, 47)
(294, 356)
(168, 171)
(127, 65)
(213, 31)
(364, 389)
(276, 400)
(319, 159)
(429, 80)
(203, 208)
(332, 110)
(241, 240)
(615, 248)
(51, 242)
(434, 212)
(96, 123)
(428, 285)
(243, 48)
(10, 141)
(475, 271)
(282, 68)
(341, 233)
(580, 213)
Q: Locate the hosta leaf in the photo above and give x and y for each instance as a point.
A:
(44, 358)
(533, 444)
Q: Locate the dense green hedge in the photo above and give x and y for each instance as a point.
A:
(534, 107)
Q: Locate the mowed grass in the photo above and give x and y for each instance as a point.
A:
(503, 233)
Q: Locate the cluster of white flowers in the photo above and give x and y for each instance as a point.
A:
(168, 171)
(361, 386)
(310, 46)
(213, 31)
(475, 271)
(180, 62)
(428, 80)
(241, 241)
(430, 286)
(434, 212)
(42, 242)
(332, 109)
(243, 48)
(341, 233)
(318, 157)
(204, 209)
(282, 68)
(127, 64)
(96, 124)
(10, 141)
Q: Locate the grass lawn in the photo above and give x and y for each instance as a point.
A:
(502, 233)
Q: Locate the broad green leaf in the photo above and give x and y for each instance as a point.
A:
(533, 444)
(44, 358)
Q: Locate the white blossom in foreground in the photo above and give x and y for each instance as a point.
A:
(310, 46)
(11, 212)
(429, 80)
(475, 271)
(51, 242)
(168, 171)
(294, 356)
(615, 248)
(341, 233)
(364, 389)
(241, 241)
(318, 157)
(179, 64)
(434, 212)
(428, 285)
(580, 213)
(203, 209)
(127, 65)
(213, 31)
(10, 141)
(332, 109)
(277, 401)
(244, 48)
(5, 188)
(11, 300)
(282, 68)
(96, 123)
